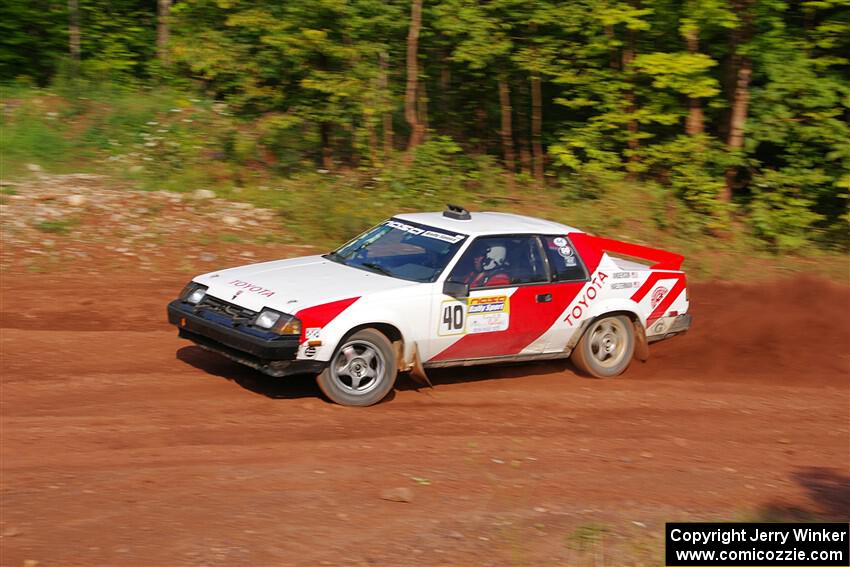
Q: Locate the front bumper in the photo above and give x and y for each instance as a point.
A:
(274, 356)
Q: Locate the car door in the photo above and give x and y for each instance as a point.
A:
(569, 275)
(510, 302)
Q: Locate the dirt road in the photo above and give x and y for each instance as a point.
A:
(123, 445)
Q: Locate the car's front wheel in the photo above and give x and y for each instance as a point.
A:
(362, 370)
(606, 348)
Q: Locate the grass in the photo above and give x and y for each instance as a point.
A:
(587, 538)
(167, 140)
(60, 226)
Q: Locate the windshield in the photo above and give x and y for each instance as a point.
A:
(405, 250)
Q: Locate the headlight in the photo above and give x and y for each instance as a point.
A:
(193, 293)
(280, 323)
(267, 318)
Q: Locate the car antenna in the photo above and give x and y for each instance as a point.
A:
(456, 212)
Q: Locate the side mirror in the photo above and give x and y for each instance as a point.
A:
(456, 289)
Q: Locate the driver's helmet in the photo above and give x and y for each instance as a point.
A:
(495, 257)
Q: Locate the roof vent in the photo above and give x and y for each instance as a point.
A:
(456, 212)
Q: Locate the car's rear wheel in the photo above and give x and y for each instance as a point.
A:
(362, 370)
(606, 348)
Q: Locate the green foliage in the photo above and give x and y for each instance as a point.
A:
(32, 133)
(432, 170)
(781, 211)
(310, 66)
(26, 56)
(118, 38)
(57, 226)
(684, 73)
(800, 150)
(693, 168)
(262, 89)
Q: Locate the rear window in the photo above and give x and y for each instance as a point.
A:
(564, 261)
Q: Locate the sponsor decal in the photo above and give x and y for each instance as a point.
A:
(624, 275)
(444, 237)
(591, 292)
(487, 304)
(453, 238)
(560, 241)
(474, 315)
(623, 285)
(248, 286)
(312, 333)
(565, 251)
(310, 351)
(488, 314)
(658, 295)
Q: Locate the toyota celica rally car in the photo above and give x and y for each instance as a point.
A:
(429, 290)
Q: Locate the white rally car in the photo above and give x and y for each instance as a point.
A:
(430, 290)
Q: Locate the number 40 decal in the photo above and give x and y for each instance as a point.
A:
(452, 318)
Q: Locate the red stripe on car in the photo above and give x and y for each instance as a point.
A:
(653, 279)
(590, 248)
(529, 319)
(321, 315)
(668, 300)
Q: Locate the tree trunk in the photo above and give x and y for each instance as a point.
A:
(613, 60)
(162, 30)
(327, 152)
(74, 34)
(507, 132)
(739, 106)
(536, 127)
(629, 52)
(525, 162)
(422, 110)
(695, 125)
(445, 77)
(740, 102)
(482, 138)
(387, 98)
(742, 69)
(410, 110)
(373, 141)
(445, 97)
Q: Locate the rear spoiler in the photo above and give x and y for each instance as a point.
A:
(663, 260)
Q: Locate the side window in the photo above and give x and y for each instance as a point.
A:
(500, 261)
(563, 259)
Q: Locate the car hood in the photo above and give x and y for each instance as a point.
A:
(294, 284)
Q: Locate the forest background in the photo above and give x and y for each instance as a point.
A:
(716, 128)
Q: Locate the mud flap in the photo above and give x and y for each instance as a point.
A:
(641, 344)
(417, 371)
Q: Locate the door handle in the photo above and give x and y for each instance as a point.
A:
(544, 297)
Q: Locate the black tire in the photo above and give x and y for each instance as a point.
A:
(606, 348)
(362, 370)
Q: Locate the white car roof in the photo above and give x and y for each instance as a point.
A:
(489, 223)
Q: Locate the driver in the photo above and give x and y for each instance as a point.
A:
(485, 270)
